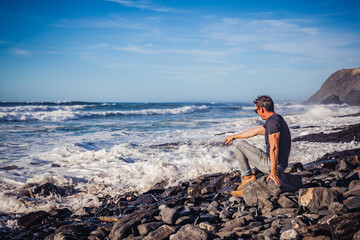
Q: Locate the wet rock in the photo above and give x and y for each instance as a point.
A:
(352, 203)
(124, 226)
(345, 226)
(289, 234)
(32, 219)
(315, 198)
(338, 208)
(190, 232)
(76, 231)
(145, 228)
(169, 215)
(49, 188)
(161, 233)
(145, 199)
(322, 237)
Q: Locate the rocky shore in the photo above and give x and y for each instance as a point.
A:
(317, 201)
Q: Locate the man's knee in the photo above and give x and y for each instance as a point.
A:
(241, 144)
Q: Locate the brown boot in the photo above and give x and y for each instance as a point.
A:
(245, 180)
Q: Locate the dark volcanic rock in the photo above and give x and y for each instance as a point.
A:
(333, 99)
(32, 219)
(344, 84)
(349, 134)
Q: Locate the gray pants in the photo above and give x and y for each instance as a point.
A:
(250, 156)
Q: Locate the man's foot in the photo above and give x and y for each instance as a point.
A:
(245, 180)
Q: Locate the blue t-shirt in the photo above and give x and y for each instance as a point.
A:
(276, 123)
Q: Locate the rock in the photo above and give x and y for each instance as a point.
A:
(84, 211)
(356, 235)
(49, 188)
(145, 199)
(31, 219)
(345, 226)
(344, 166)
(286, 202)
(353, 191)
(344, 83)
(354, 184)
(224, 214)
(294, 168)
(322, 237)
(172, 191)
(76, 231)
(289, 234)
(284, 211)
(257, 188)
(169, 215)
(207, 226)
(315, 198)
(190, 232)
(124, 226)
(161, 233)
(352, 203)
(185, 220)
(145, 228)
(338, 208)
(300, 225)
(333, 99)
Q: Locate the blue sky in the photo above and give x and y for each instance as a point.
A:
(175, 50)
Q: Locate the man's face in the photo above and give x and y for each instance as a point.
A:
(260, 112)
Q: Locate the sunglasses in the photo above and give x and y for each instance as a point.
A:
(256, 110)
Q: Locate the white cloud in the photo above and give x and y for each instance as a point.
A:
(21, 52)
(144, 4)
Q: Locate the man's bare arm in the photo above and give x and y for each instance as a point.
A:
(274, 155)
(260, 130)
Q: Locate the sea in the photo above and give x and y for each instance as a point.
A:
(109, 148)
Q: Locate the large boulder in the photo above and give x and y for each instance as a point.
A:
(317, 197)
(257, 192)
(343, 86)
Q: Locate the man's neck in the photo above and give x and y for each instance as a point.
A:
(268, 114)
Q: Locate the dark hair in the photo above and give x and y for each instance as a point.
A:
(265, 102)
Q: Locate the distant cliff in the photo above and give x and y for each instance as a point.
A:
(343, 86)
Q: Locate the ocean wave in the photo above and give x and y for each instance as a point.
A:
(68, 113)
(34, 108)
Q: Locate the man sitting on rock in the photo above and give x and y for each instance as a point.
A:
(278, 144)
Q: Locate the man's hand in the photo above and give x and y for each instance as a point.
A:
(229, 140)
(275, 178)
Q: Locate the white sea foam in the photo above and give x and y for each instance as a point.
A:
(63, 113)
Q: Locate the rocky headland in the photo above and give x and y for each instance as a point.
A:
(320, 200)
(343, 86)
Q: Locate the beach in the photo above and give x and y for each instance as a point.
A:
(76, 155)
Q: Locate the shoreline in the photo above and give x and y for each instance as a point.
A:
(192, 203)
